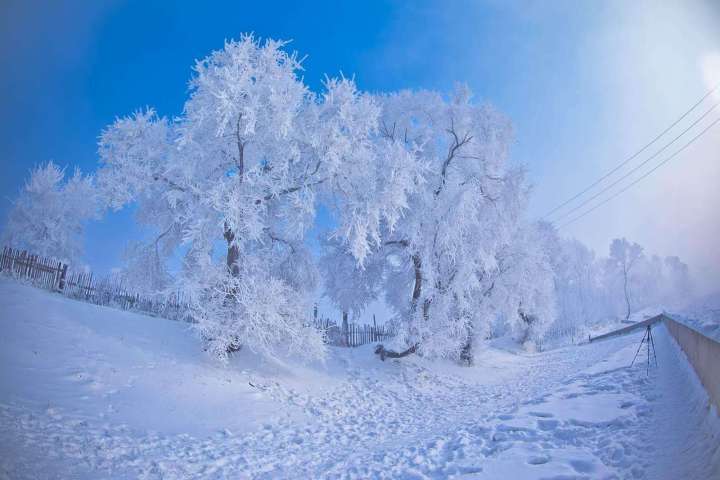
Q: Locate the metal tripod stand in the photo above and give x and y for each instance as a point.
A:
(647, 339)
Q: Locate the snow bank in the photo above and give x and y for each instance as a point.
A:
(124, 368)
(703, 315)
(89, 392)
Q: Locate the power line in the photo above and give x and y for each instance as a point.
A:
(639, 166)
(644, 175)
(634, 155)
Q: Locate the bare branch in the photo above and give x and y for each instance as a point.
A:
(402, 243)
(380, 350)
(287, 191)
(241, 150)
(159, 237)
(173, 185)
(385, 131)
(456, 145)
(278, 239)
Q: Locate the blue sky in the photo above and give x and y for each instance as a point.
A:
(585, 83)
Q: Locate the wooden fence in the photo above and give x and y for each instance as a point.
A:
(43, 272)
(357, 335)
(54, 275)
(353, 334)
(561, 334)
(112, 293)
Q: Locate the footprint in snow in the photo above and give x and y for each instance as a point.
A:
(539, 460)
(469, 470)
(535, 401)
(582, 466)
(547, 424)
(499, 437)
(541, 414)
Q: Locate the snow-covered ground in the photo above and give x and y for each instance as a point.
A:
(91, 392)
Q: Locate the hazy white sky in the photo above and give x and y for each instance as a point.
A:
(655, 60)
(587, 84)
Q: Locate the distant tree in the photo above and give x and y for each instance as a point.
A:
(591, 290)
(144, 268)
(581, 300)
(624, 256)
(48, 217)
(350, 288)
(679, 287)
(529, 283)
(648, 279)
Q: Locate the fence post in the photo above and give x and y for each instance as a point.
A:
(63, 273)
(345, 332)
(374, 335)
(22, 264)
(89, 286)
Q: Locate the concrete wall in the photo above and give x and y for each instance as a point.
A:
(703, 354)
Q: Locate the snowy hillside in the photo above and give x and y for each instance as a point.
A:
(91, 392)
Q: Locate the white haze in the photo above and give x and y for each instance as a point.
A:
(586, 85)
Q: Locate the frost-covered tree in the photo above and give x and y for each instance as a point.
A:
(48, 217)
(352, 288)
(624, 255)
(453, 261)
(579, 288)
(678, 284)
(660, 283)
(236, 180)
(144, 268)
(529, 283)
(648, 280)
(592, 290)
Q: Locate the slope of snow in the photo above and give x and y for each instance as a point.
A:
(119, 367)
(703, 314)
(91, 392)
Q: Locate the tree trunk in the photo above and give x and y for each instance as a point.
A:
(627, 296)
(528, 320)
(417, 292)
(466, 354)
(345, 329)
(417, 289)
(233, 253)
(232, 257)
(380, 350)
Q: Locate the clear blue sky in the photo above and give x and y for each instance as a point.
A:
(585, 84)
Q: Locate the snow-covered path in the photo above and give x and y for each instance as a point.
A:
(99, 413)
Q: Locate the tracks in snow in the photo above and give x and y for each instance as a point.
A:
(402, 420)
